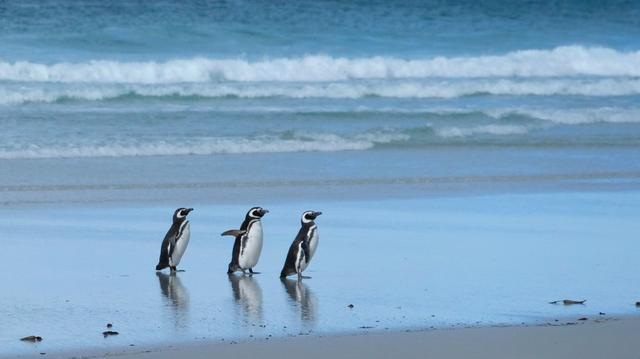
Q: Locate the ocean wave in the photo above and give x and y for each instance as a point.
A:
(10, 94)
(573, 116)
(500, 130)
(565, 61)
(287, 142)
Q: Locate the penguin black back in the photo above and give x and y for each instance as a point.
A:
(171, 238)
(289, 267)
(300, 248)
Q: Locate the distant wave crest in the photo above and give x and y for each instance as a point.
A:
(288, 142)
(562, 61)
(451, 127)
(12, 95)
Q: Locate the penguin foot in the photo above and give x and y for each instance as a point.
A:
(300, 276)
(252, 272)
(180, 270)
(173, 268)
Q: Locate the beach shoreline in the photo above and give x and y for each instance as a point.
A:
(593, 338)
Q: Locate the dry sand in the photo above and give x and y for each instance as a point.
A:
(608, 339)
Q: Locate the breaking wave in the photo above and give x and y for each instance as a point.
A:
(15, 95)
(288, 142)
(565, 61)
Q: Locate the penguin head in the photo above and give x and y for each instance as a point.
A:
(256, 212)
(309, 216)
(181, 214)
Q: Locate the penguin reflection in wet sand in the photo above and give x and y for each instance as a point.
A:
(175, 241)
(303, 247)
(248, 243)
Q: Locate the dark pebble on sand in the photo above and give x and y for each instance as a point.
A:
(583, 318)
(43, 353)
(637, 304)
(568, 302)
(109, 332)
(32, 339)
(601, 313)
(350, 306)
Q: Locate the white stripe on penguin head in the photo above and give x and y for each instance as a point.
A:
(304, 217)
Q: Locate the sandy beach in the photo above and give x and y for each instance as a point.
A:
(476, 268)
(586, 340)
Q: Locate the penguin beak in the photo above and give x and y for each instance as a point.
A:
(316, 214)
(264, 211)
(188, 210)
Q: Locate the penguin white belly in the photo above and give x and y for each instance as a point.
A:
(250, 255)
(313, 242)
(181, 244)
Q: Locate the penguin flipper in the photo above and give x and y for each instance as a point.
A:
(289, 267)
(172, 245)
(234, 232)
(306, 251)
(163, 261)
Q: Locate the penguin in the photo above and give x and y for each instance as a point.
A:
(175, 241)
(303, 247)
(248, 243)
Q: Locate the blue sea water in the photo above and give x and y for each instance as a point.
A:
(123, 78)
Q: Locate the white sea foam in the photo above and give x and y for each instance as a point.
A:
(449, 132)
(296, 142)
(558, 62)
(575, 116)
(10, 94)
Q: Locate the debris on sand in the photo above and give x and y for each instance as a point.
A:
(109, 332)
(350, 306)
(583, 318)
(638, 304)
(32, 339)
(568, 301)
(109, 325)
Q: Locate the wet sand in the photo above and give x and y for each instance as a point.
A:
(422, 264)
(606, 339)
